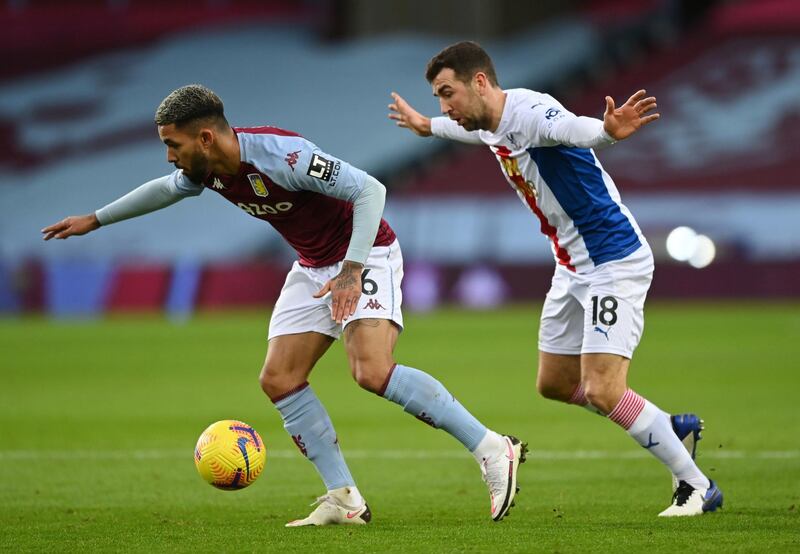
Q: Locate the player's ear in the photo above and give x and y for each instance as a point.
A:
(480, 82)
(206, 137)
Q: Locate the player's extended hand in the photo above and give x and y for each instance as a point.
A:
(622, 122)
(345, 291)
(72, 225)
(408, 117)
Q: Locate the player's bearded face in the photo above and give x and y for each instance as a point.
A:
(461, 100)
(186, 152)
(196, 168)
(474, 112)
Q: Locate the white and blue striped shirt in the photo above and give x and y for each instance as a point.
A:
(546, 155)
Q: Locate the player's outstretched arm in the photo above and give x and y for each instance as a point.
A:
(151, 196)
(622, 122)
(408, 117)
(73, 225)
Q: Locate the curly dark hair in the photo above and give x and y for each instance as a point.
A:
(189, 104)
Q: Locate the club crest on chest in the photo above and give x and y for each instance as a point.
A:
(258, 185)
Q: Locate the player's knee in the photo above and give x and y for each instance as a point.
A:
(275, 382)
(548, 389)
(369, 381)
(370, 373)
(552, 389)
(545, 388)
(598, 395)
(267, 381)
(551, 392)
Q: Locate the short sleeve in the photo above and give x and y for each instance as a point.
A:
(298, 164)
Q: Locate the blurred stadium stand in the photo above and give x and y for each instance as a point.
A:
(76, 119)
(45, 34)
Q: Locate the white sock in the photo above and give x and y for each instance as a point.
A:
(489, 444)
(349, 495)
(651, 428)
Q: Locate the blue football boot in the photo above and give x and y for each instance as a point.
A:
(689, 429)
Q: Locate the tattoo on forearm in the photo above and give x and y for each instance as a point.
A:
(345, 281)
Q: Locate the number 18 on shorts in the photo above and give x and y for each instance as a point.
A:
(599, 312)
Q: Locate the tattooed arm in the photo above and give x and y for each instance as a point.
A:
(345, 290)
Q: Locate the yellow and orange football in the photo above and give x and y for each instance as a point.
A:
(230, 455)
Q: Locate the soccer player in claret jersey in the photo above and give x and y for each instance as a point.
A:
(330, 213)
(593, 315)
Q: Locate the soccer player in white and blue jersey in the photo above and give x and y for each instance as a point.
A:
(593, 315)
(330, 213)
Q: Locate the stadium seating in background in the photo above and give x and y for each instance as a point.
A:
(721, 161)
(46, 34)
(81, 134)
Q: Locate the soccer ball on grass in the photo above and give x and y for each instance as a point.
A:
(230, 455)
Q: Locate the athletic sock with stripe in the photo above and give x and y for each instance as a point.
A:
(652, 429)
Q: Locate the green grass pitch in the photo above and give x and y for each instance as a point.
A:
(98, 421)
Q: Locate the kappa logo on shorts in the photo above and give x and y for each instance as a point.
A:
(373, 305)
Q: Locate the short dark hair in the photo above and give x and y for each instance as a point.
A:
(188, 104)
(466, 59)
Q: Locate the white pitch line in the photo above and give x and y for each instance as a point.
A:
(386, 454)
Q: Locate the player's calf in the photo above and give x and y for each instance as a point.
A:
(558, 376)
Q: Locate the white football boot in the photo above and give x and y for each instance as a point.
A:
(500, 474)
(333, 509)
(689, 501)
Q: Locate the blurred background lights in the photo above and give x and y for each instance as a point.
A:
(704, 252)
(681, 243)
(685, 245)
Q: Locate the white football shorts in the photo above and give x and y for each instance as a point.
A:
(601, 311)
(297, 311)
